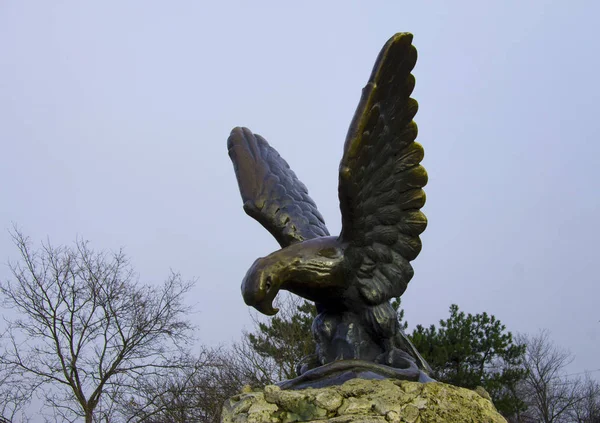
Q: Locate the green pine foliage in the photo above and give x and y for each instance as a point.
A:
(475, 350)
(285, 338)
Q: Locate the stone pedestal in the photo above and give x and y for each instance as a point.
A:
(365, 401)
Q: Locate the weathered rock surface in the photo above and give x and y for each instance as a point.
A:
(365, 401)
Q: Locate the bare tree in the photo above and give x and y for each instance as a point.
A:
(588, 409)
(195, 392)
(13, 396)
(550, 395)
(86, 329)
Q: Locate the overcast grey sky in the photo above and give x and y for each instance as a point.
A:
(114, 117)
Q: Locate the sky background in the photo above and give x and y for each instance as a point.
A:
(114, 118)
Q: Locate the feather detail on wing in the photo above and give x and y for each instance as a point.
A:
(271, 192)
(381, 178)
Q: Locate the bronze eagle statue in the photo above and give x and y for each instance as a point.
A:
(351, 277)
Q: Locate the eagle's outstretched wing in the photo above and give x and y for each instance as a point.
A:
(271, 192)
(381, 179)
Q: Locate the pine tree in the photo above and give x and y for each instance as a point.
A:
(284, 339)
(475, 350)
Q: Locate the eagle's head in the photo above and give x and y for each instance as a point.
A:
(261, 285)
(312, 269)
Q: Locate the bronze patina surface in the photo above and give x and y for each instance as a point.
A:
(350, 277)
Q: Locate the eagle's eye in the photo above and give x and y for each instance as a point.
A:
(268, 283)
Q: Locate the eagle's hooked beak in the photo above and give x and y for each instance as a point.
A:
(259, 291)
(266, 308)
(265, 305)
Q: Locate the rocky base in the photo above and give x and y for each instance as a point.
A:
(365, 401)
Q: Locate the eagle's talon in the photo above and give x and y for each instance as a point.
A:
(307, 363)
(396, 358)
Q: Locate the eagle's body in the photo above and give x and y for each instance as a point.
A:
(353, 276)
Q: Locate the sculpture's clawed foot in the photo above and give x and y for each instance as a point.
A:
(307, 363)
(396, 358)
